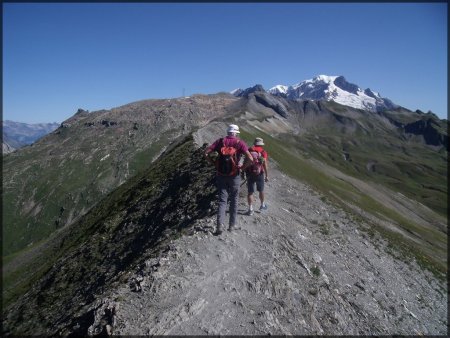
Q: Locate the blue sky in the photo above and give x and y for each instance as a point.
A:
(58, 57)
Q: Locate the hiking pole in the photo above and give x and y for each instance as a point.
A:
(243, 182)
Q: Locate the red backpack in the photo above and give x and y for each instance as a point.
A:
(227, 162)
(257, 167)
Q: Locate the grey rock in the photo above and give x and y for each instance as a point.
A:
(261, 283)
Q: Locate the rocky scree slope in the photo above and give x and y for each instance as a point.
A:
(130, 225)
(302, 267)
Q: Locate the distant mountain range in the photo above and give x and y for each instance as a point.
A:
(18, 134)
(329, 88)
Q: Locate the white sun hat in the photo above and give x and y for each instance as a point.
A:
(232, 128)
(259, 141)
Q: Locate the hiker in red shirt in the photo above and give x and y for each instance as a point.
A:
(257, 173)
(228, 151)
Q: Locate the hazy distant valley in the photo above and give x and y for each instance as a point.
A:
(17, 135)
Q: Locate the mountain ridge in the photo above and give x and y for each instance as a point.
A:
(89, 155)
(133, 218)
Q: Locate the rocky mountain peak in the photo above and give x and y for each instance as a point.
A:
(370, 93)
(244, 93)
(81, 111)
(342, 83)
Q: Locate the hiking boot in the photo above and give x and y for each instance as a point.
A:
(263, 207)
(249, 213)
(233, 227)
(219, 229)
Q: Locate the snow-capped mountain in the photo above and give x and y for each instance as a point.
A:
(236, 92)
(334, 88)
(331, 88)
(279, 89)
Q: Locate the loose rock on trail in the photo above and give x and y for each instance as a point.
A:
(301, 267)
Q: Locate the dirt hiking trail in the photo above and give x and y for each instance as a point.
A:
(301, 267)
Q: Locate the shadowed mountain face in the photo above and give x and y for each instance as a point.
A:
(95, 252)
(429, 129)
(344, 85)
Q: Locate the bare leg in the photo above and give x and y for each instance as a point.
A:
(261, 197)
(250, 201)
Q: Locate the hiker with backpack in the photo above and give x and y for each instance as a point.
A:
(226, 153)
(257, 173)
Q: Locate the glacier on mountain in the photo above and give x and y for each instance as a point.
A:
(334, 88)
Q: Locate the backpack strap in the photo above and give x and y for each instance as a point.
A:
(219, 145)
(222, 143)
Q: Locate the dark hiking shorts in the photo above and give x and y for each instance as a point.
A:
(258, 180)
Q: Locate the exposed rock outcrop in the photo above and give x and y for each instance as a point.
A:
(248, 91)
(272, 102)
(429, 129)
(6, 148)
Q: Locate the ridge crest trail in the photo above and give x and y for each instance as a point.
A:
(301, 267)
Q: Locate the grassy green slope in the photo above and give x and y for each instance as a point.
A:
(293, 154)
(377, 151)
(40, 197)
(48, 185)
(79, 261)
(416, 171)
